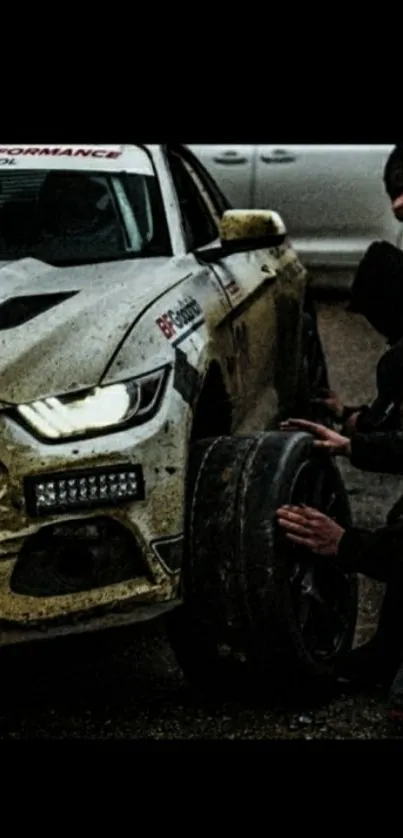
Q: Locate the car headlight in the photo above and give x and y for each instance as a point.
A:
(98, 410)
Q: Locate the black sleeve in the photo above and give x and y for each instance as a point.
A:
(378, 452)
(377, 553)
(349, 410)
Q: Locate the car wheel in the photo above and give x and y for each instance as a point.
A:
(314, 377)
(314, 356)
(259, 611)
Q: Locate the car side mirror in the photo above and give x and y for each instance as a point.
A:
(243, 230)
(250, 229)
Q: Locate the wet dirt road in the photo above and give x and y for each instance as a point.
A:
(126, 684)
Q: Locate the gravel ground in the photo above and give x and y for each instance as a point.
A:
(126, 684)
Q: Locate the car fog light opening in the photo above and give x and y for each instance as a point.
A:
(51, 493)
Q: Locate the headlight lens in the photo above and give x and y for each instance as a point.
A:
(98, 410)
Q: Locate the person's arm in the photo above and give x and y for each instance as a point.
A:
(377, 452)
(346, 416)
(375, 553)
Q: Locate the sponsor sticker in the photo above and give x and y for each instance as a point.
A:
(232, 288)
(58, 151)
(108, 158)
(183, 318)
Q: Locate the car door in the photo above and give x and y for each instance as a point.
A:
(331, 197)
(232, 168)
(249, 280)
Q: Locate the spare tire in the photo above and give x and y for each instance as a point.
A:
(259, 611)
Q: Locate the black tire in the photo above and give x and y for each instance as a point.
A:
(238, 627)
(314, 376)
(314, 355)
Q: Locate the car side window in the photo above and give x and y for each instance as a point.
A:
(208, 186)
(199, 223)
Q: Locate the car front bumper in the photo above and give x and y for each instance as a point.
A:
(98, 566)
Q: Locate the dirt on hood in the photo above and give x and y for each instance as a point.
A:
(59, 327)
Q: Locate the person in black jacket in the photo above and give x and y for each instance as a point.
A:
(376, 292)
(378, 553)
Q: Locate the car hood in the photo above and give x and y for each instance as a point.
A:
(59, 327)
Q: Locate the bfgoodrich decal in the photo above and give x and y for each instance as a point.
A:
(177, 322)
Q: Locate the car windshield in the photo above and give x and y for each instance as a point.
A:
(66, 217)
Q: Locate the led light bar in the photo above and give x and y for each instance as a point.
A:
(48, 494)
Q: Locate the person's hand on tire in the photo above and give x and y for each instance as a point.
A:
(327, 439)
(311, 529)
(331, 401)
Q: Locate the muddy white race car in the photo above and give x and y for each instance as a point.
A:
(151, 339)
